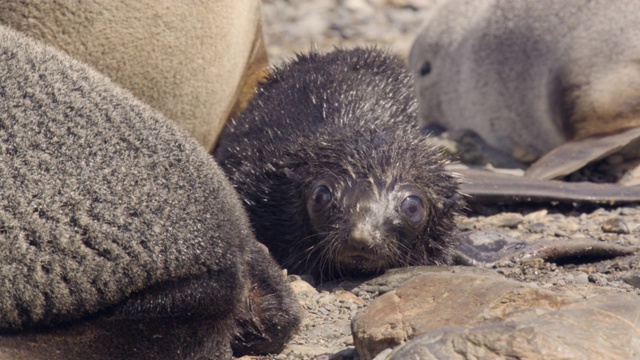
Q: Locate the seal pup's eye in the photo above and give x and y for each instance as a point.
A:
(320, 198)
(413, 209)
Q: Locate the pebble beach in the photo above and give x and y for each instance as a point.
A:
(293, 26)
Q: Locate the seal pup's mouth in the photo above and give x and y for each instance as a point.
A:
(361, 263)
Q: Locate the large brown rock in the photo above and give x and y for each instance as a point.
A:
(597, 328)
(470, 315)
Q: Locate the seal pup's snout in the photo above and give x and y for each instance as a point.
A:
(367, 214)
(362, 237)
(363, 247)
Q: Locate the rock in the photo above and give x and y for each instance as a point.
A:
(301, 286)
(487, 247)
(495, 318)
(567, 333)
(428, 302)
(308, 351)
(394, 278)
(347, 297)
(574, 251)
(632, 279)
(615, 225)
(491, 247)
(510, 220)
(537, 216)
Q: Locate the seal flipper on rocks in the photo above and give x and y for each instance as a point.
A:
(532, 77)
(119, 236)
(573, 155)
(490, 187)
(334, 171)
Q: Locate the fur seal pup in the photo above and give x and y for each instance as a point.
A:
(119, 235)
(559, 78)
(336, 176)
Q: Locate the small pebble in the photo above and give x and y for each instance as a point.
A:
(560, 233)
(629, 211)
(598, 279)
(326, 298)
(537, 216)
(509, 220)
(615, 225)
(632, 279)
(533, 263)
(581, 278)
(568, 226)
(537, 228)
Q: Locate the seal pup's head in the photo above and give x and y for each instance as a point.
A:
(334, 170)
(373, 200)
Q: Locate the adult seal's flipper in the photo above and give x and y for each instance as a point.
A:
(537, 185)
(488, 187)
(574, 155)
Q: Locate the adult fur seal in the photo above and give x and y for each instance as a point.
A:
(119, 236)
(335, 174)
(196, 62)
(559, 78)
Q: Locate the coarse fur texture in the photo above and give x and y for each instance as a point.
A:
(119, 236)
(197, 62)
(324, 158)
(530, 75)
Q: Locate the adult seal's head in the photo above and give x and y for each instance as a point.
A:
(336, 175)
(120, 238)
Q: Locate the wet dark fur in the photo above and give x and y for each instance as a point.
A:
(346, 119)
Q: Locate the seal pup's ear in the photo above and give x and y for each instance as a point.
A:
(451, 202)
(289, 174)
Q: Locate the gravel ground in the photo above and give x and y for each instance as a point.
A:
(295, 25)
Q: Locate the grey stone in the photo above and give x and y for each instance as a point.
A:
(461, 316)
(615, 225)
(567, 333)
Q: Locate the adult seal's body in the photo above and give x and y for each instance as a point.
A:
(120, 238)
(196, 62)
(334, 171)
(553, 79)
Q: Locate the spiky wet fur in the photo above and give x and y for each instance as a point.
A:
(349, 114)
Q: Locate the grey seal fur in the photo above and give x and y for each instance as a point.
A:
(532, 77)
(119, 236)
(336, 176)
